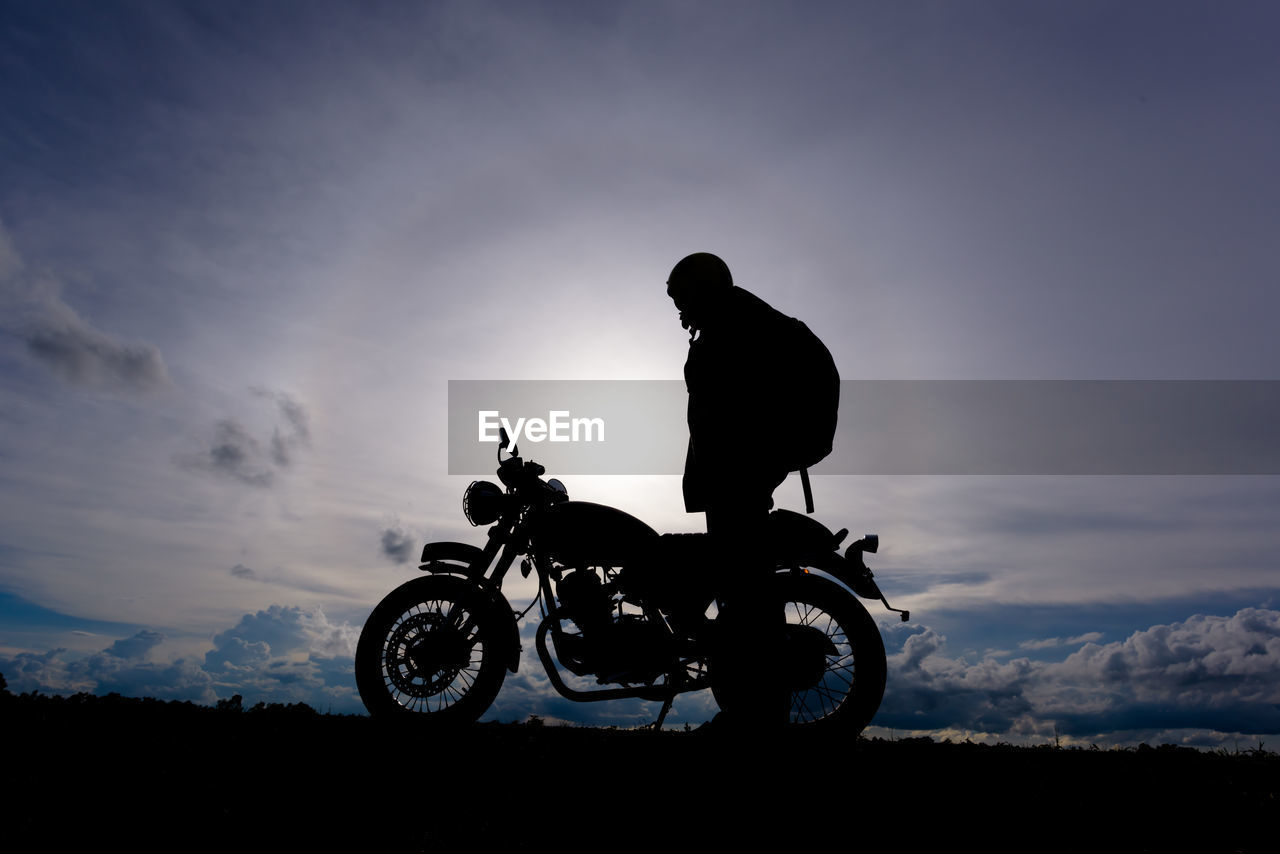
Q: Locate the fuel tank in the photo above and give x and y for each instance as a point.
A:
(579, 533)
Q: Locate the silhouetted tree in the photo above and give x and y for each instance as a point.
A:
(234, 704)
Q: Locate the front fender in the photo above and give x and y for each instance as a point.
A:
(454, 559)
(463, 553)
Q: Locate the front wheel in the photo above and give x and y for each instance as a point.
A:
(435, 649)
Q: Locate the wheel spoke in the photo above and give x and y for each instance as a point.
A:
(836, 684)
(433, 656)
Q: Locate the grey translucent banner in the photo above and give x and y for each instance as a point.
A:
(895, 427)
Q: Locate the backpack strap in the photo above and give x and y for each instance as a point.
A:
(808, 491)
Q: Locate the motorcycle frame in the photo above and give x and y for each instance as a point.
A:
(508, 536)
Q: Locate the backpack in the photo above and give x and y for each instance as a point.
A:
(811, 399)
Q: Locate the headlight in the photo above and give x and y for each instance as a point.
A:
(482, 502)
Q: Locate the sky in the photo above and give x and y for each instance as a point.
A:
(244, 247)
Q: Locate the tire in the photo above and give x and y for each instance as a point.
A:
(434, 650)
(837, 675)
(831, 663)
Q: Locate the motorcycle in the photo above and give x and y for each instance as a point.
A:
(626, 605)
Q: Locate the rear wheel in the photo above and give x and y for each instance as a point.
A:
(434, 649)
(828, 667)
(834, 659)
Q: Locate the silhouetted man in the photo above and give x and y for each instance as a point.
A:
(734, 463)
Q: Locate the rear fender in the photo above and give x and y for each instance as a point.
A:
(852, 574)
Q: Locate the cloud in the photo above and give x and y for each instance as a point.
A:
(397, 544)
(180, 679)
(10, 260)
(242, 571)
(82, 355)
(289, 655)
(328, 639)
(46, 671)
(235, 454)
(137, 646)
(277, 628)
(1215, 672)
(280, 654)
(1051, 643)
(297, 431)
(1207, 672)
(64, 342)
(119, 668)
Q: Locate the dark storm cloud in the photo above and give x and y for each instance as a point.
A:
(82, 355)
(56, 336)
(397, 544)
(137, 646)
(1239, 717)
(235, 454)
(296, 432)
(242, 571)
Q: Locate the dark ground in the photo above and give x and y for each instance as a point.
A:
(89, 773)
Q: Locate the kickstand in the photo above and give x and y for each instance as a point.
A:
(662, 715)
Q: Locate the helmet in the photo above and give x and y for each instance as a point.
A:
(700, 270)
(696, 286)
